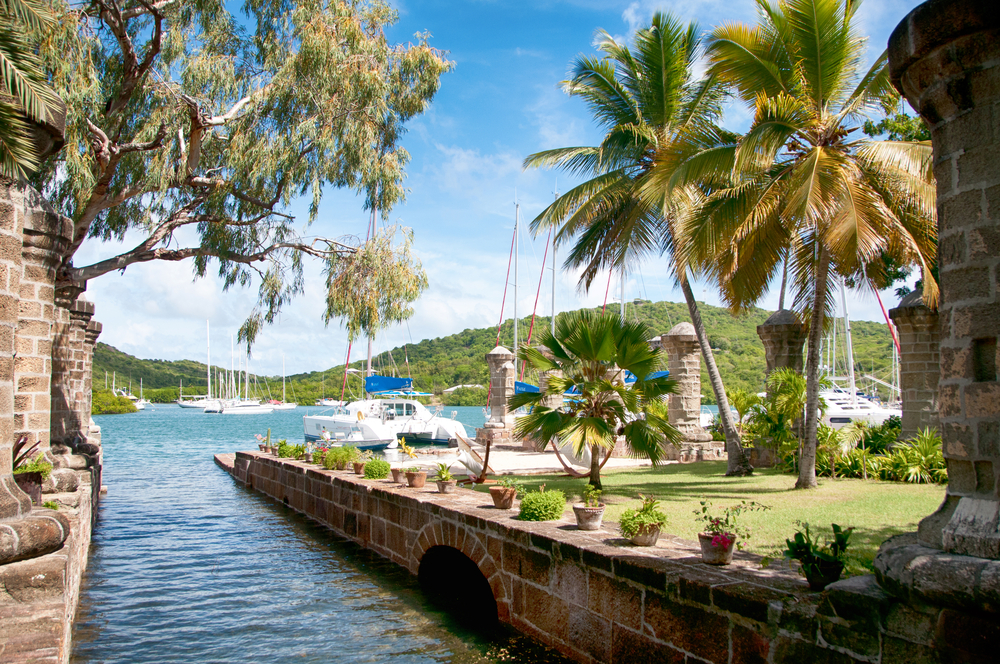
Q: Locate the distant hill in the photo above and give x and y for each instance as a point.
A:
(437, 364)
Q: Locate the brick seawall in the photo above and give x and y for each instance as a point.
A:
(596, 599)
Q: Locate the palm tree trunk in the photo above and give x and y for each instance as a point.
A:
(738, 464)
(807, 459)
(595, 466)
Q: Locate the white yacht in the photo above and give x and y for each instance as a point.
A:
(842, 409)
(339, 427)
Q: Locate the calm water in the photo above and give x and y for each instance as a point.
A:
(187, 566)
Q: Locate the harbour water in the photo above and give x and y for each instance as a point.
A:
(187, 566)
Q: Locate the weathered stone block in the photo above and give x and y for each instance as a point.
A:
(615, 600)
(689, 628)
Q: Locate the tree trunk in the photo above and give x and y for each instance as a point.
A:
(807, 458)
(595, 466)
(738, 464)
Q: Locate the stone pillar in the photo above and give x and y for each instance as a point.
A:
(73, 313)
(784, 336)
(945, 59)
(14, 503)
(93, 432)
(919, 363)
(684, 363)
(46, 238)
(502, 373)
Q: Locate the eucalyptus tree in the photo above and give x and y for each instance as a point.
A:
(26, 94)
(647, 99)
(587, 357)
(195, 130)
(798, 182)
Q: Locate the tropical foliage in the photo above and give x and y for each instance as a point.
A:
(542, 505)
(26, 93)
(647, 100)
(797, 187)
(588, 357)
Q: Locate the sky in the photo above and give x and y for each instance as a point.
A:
(500, 103)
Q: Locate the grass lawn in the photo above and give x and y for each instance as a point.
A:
(876, 510)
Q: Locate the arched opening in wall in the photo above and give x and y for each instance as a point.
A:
(454, 584)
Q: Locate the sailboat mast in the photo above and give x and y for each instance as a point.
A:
(850, 349)
(517, 224)
(282, 378)
(623, 293)
(553, 324)
(208, 357)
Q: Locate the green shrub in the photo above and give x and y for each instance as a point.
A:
(36, 465)
(377, 469)
(106, 403)
(339, 457)
(50, 504)
(542, 505)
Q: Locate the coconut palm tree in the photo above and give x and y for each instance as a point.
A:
(26, 94)
(588, 357)
(798, 182)
(646, 98)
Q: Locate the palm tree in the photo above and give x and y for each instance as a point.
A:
(588, 357)
(27, 96)
(797, 182)
(647, 99)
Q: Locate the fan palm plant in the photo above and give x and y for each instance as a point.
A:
(587, 358)
(26, 95)
(797, 183)
(647, 99)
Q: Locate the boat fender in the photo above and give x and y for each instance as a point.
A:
(361, 416)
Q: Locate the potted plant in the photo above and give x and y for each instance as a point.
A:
(29, 473)
(398, 475)
(505, 491)
(642, 525)
(264, 442)
(376, 469)
(590, 512)
(445, 482)
(722, 531)
(821, 565)
(360, 461)
(542, 505)
(416, 478)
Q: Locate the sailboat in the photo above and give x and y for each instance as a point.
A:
(283, 404)
(141, 402)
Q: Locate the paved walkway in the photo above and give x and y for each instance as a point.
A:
(506, 461)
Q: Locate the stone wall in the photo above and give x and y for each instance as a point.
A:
(919, 363)
(596, 599)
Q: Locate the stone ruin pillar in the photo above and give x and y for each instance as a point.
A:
(25, 534)
(684, 407)
(94, 329)
(46, 238)
(919, 363)
(784, 336)
(945, 59)
(502, 373)
(72, 314)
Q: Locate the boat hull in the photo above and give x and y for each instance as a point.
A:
(346, 430)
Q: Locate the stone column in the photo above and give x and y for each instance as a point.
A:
(14, 503)
(73, 313)
(945, 59)
(919, 363)
(93, 432)
(684, 363)
(502, 372)
(784, 336)
(47, 235)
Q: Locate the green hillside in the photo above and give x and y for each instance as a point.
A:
(459, 359)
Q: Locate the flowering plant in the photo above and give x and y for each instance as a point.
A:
(724, 527)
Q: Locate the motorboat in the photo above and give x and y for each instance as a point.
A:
(843, 408)
(242, 407)
(339, 427)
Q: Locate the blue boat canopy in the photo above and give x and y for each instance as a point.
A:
(630, 377)
(382, 384)
(520, 387)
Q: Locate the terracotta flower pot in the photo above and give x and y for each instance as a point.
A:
(341, 465)
(359, 467)
(262, 446)
(398, 476)
(589, 518)
(647, 536)
(416, 480)
(716, 554)
(447, 486)
(503, 496)
(31, 484)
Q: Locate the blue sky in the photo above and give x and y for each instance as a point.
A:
(501, 102)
